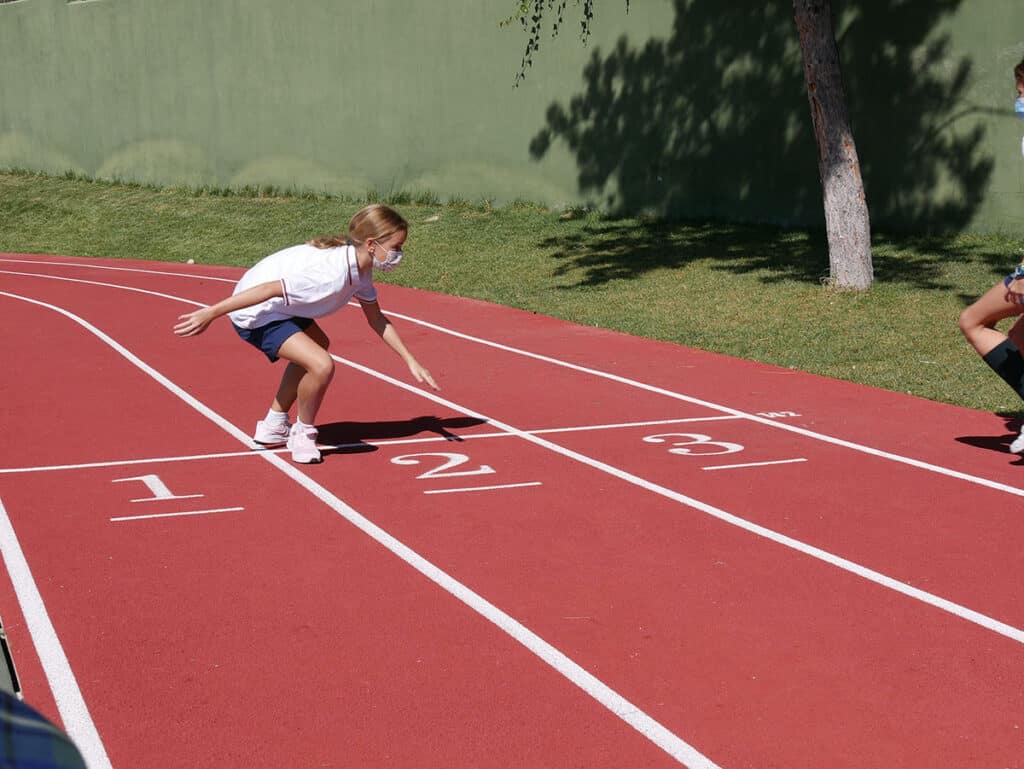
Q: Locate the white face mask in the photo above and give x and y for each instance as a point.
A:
(391, 261)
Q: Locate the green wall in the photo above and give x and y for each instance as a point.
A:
(688, 107)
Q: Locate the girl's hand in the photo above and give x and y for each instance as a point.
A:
(421, 375)
(194, 323)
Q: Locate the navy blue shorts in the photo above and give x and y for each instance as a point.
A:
(269, 338)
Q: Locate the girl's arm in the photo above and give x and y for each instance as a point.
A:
(193, 323)
(379, 323)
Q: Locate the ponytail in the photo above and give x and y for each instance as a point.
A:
(374, 222)
(328, 241)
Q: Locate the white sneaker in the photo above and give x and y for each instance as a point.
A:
(270, 434)
(302, 442)
(1017, 447)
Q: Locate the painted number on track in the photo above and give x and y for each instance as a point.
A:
(443, 470)
(156, 487)
(694, 444)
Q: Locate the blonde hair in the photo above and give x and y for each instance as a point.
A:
(375, 222)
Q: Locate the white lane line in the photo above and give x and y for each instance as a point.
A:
(164, 499)
(754, 464)
(74, 712)
(126, 462)
(725, 409)
(86, 266)
(614, 702)
(616, 426)
(361, 444)
(484, 488)
(982, 620)
(996, 485)
(177, 515)
(852, 567)
(104, 285)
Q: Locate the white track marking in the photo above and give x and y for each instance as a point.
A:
(87, 266)
(105, 285)
(126, 462)
(632, 383)
(852, 567)
(619, 425)
(164, 499)
(73, 711)
(177, 515)
(621, 380)
(726, 409)
(361, 444)
(755, 464)
(1009, 631)
(484, 488)
(654, 731)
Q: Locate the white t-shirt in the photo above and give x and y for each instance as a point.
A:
(315, 282)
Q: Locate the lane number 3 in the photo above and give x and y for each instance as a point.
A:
(694, 444)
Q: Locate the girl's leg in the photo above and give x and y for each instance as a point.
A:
(309, 372)
(288, 390)
(1016, 333)
(1000, 351)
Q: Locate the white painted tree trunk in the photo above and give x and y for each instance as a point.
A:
(846, 210)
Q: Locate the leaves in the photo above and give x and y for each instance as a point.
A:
(531, 15)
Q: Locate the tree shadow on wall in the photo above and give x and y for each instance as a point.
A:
(712, 122)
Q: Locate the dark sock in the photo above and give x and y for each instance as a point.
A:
(1006, 361)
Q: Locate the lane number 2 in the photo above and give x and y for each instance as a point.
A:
(444, 470)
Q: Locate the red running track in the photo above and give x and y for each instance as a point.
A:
(588, 550)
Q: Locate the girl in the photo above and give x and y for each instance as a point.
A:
(1005, 299)
(274, 305)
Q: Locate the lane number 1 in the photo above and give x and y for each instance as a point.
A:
(156, 487)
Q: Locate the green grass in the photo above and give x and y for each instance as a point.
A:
(752, 292)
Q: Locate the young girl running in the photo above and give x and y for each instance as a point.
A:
(1002, 352)
(274, 305)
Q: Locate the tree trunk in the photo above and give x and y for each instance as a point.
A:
(846, 211)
